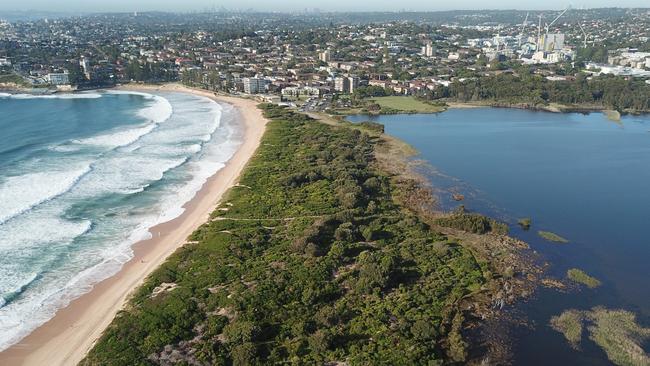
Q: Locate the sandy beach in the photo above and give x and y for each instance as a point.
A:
(66, 338)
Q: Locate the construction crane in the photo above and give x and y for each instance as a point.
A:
(523, 26)
(539, 33)
(584, 34)
(547, 26)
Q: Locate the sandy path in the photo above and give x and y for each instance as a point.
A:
(66, 338)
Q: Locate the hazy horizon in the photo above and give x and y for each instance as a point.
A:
(293, 5)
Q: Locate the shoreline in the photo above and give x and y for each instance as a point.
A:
(66, 338)
(550, 108)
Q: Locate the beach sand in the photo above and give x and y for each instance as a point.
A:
(66, 338)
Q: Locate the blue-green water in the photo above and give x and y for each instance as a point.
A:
(83, 177)
(581, 176)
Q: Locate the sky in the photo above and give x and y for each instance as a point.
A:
(293, 5)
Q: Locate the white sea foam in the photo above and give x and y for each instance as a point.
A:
(190, 149)
(13, 288)
(26, 279)
(57, 96)
(19, 194)
(5, 95)
(129, 92)
(159, 111)
(126, 174)
(118, 138)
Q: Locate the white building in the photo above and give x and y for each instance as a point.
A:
(5, 62)
(354, 83)
(618, 70)
(84, 63)
(453, 56)
(427, 50)
(346, 84)
(342, 84)
(254, 85)
(298, 91)
(58, 78)
(325, 56)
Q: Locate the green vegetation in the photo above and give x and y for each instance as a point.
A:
(313, 258)
(397, 104)
(580, 276)
(615, 331)
(372, 126)
(569, 323)
(552, 237)
(530, 90)
(371, 91)
(12, 79)
(525, 223)
(472, 223)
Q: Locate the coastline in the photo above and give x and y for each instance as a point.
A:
(66, 338)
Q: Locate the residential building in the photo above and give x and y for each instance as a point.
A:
(427, 50)
(346, 84)
(325, 56)
(298, 91)
(84, 63)
(342, 84)
(254, 85)
(353, 82)
(58, 78)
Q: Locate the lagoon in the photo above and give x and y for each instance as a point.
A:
(581, 176)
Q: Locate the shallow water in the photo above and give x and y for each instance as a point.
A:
(581, 176)
(83, 177)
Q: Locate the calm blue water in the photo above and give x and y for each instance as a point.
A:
(581, 176)
(83, 177)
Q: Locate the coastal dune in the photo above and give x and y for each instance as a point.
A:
(66, 338)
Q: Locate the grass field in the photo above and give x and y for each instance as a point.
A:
(407, 104)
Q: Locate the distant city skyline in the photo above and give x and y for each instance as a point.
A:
(293, 5)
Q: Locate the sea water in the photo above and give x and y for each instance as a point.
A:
(579, 175)
(83, 177)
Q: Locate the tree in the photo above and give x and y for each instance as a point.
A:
(243, 354)
(424, 330)
(320, 341)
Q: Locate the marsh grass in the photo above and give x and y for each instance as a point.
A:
(615, 331)
(569, 323)
(525, 223)
(552, 237)
(579, 276)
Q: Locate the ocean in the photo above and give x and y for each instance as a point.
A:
(581, 176)
(83, 177)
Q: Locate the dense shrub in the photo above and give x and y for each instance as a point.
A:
(326, 266)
